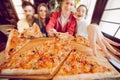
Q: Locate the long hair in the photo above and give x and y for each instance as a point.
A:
(43, 4)
(47, 13)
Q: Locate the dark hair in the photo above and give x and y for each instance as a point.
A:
(82, 5)
(26, 3)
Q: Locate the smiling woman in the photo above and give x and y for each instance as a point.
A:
(43, 16)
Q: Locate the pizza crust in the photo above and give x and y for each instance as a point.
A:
(44, 71)
(14, 34)
(85, 76)
(8, 43)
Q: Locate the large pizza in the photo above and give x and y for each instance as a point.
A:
(61, 57)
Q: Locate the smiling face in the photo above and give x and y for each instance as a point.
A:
(81, 12)
(68, 5)
(29, 12)
(42, 12)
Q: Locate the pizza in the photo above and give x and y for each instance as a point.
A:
(32, 32)
(60, 57)
(65, 37)
(82, 40)
(17, 40)
(30, 59)
(39, 57)
(82, 65)
(14, 43)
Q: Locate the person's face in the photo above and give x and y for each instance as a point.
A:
(81, 12)
(29, 12)
(42, 12)
(68, 5)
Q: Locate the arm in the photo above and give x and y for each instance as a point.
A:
(51, 24)
(22, 25)
(72, 28)
(95, 37)
(19, 27)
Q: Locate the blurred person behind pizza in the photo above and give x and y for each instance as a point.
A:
(93, 32)
(62, 21)
(43, 16)
(29, 19)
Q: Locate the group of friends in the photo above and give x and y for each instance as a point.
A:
(65, 21)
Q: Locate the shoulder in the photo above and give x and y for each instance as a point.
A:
(22, 21)
(72, 17)
(57, 13)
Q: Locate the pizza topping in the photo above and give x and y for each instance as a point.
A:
(51, 55)
(41, 58)
(33, 51)
(11, 51)
(35, 66)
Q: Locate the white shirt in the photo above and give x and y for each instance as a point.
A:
(22, 25)
(64, 20)
(82, 27)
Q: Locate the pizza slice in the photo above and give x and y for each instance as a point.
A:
(32, 59)
(62, 50)
(14, 43)
(43, 58)
(32, 32)
(82, 65)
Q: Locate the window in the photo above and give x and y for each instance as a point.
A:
(110, 22)
(18, 7)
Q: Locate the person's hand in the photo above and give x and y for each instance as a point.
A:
(95, 37)
(52, 32)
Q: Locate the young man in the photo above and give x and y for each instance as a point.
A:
(63, 20)
(29, 17)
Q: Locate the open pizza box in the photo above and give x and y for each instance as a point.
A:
(34, 42)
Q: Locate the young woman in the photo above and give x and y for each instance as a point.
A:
(82, 24)
(62, 20)
(43, 16)
(93, 33)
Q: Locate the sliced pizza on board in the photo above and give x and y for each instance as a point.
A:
(62, 50)
(31, 59)
(14, 43)
(82, 65)
(42, 57)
